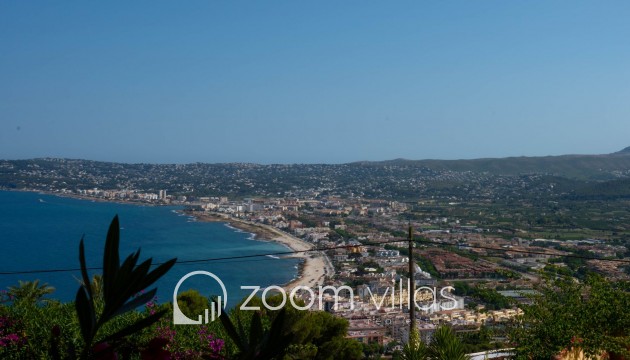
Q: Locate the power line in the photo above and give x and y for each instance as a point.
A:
(292, 252)
(179, 262)
(192, 262)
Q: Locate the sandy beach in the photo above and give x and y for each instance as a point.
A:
(315, 264)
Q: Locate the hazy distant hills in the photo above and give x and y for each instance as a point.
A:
(571, 166)
(561, 177)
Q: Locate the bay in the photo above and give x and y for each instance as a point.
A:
(42, 232)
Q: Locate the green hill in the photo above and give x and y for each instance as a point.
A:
(571, 166)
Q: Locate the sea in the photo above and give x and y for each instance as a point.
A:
(41, 232)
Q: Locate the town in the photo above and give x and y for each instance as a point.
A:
(489, 241)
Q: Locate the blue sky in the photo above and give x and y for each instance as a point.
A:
(312, 81)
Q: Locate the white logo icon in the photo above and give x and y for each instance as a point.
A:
(179, 318)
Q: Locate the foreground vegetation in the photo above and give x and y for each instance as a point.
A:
(116, 316)
(104, 323)
(591, 316)
(52, 330)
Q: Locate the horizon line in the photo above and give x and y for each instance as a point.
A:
(622, 151)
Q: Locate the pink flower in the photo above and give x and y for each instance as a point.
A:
(214, 344)
(12, 337)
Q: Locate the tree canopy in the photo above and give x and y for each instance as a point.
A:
(592, 315)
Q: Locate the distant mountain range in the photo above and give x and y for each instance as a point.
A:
(604, 166)
(568, 176)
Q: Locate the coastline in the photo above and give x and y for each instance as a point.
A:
(90, 198)
(312, 270)
(314, 266)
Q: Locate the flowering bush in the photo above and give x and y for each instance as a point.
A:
(10, 337)
(208, 345)
(214, 345)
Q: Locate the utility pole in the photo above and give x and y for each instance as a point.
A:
(412, 286)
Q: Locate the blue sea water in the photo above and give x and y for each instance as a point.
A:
(39, 232)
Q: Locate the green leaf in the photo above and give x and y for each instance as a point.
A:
(84, 274)
(125, 284)
(127, 276)
(111, 261)
(231, 331)
(255, 331)
(277, 341)
(277, 325)
(241, 331)
(137, 301)
(154, 275)
(134, 280)
(137, 326)
(120, 283)
(129, 264)
(87, 317)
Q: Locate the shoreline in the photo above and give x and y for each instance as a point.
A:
(89, 198)
(312, 269)
(314, 266)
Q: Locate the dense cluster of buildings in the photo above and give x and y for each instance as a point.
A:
(371, 272)
(367, 246)
(125, 195)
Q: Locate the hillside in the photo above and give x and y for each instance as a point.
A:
(572, 166)
(582, 176)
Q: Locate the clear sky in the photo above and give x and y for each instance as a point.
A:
(312, 81)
